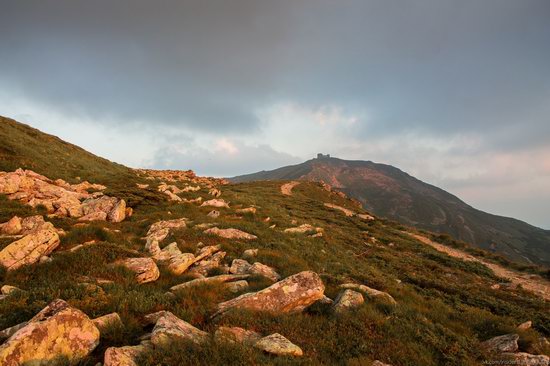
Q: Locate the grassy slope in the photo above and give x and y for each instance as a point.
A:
(445, 306)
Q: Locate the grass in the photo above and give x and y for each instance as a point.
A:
(445, 306)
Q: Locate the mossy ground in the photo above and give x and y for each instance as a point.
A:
(445, 306)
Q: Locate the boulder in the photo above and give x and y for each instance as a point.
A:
(263, 270)
(59, 330)
(123, 356)
(370, 292)
(12, 227)
(118, 212)
(30, 248)
(346, 300)
(217, 202)
(293, 294)
(145, 269)
(103, 323)
(209, 280)
(230, 233)
(500, 344)
(278, 345)
(169, 327)
(236, 335)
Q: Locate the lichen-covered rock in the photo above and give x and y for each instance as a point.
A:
(239, 266)
(236, 335)
(346, 300)
(123, 356)
(103, 323)
(263, 270)
(237, 286)
(30, 248)
(230, 233)
(145, 269)
(209, 280)
(302, 229)
(118, 212)
(59, 330)
(12, 227)
(8, 332)
(250, 253)
(215, 203)
(370, 292)
(500, 344)
(278, 345)
(169, 327)
(293, 294)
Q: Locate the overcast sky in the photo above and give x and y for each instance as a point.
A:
(456, 93)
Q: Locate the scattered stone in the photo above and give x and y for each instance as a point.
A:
(172, 196)
(123, 356)
(500, 344)
(215, 192)
(214, 214)
(118, 212)
(103, 323)
(59, 330)
(191, 189)
(94, 216)
(325, 300)
(263, 270)
(12, 227)
(302, 229)
(525, 326)
(204, 226)
(236, 335)
(316, 235)
(215, 203)
(30, 248)
(142, 186)
(278, 345)
(230, 233)
(7, 290)
(366, 217)
(346, 211)
(248, 210)
(239, 266)
(169, 326)
(521, 359)
(237, 286)
(204, 266)
(250, 253)
(209, 280)
(145, 269)
(346, 300)
(293, 294)
(379, 363)
(370, 292)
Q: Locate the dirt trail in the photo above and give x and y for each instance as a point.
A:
(286, 188)
(532, 283)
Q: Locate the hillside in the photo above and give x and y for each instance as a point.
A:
(174, 269)
(392, 193)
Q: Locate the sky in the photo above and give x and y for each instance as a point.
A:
(456, 93)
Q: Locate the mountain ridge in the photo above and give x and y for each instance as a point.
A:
(390, 192)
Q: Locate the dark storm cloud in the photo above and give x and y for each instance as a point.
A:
(437, 67)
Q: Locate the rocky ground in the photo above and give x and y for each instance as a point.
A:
(178, 269)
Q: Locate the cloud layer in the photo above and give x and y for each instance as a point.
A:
(455, 92)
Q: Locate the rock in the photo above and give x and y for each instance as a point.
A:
(500, 344)
(59, 330)
(45, 259)
(208, 280)
(525, 326)
(118, 213)
(123, 356)
(346, 211)
(204, 226)
(215, 203)
(214, 214)
(237, 286)
(180, 223)
(12, 227)
(366, 217)
(9, 290)
(145, 269)
(230, 233)
(94, 216)
(302, 229)
(172, 196)
(191, 189)
(248, 210)
(142, 186)
(278, 345)
(31, 224)
(236, 335)
(379, 363)
(8, 332)
(346, 300)
(204, 266)
(521, 359)
(240, 266)
(325, 300)
(293, 294)
(370, 292)
(250, 253)
(169, 326)
(316, 235)
(215, 192)
(105, 322)
(129, 211)
(30, 248)
(263, 270)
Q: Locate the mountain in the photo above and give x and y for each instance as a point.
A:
(394, 194)
(169, 268)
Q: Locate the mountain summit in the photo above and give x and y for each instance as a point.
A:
(389, 192)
